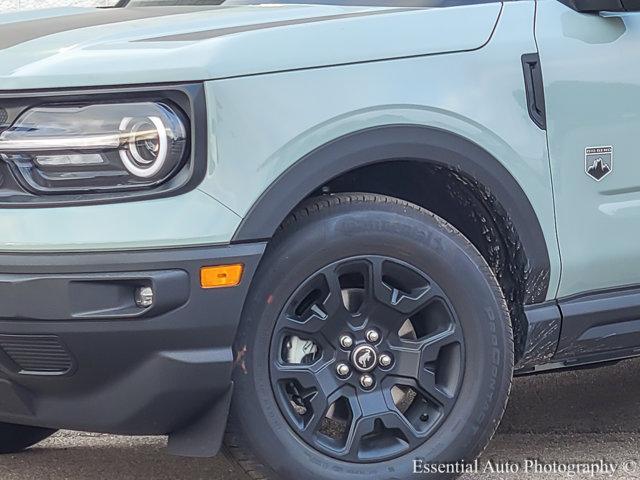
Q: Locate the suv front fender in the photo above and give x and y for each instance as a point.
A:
(395, 142)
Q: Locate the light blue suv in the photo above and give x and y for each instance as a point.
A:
(333, 230)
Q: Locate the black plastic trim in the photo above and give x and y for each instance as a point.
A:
(534, 88)
(43, 355)
(165, 371)
(90, 296)
(203, 438)
(403, 142)
(600, 323)
(596, 6)
(544, 322)
(189, 97)
(598, 327)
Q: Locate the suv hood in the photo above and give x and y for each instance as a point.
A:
(77, 47)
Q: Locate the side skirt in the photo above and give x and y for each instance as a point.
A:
(585, 329)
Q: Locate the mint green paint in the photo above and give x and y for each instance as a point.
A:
(276, 94)
(590, 67)
(107, 54)
(264, 123)
(191, 219)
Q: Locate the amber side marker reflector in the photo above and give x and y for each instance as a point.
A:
(221, 276)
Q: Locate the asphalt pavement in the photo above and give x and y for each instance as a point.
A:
(581, 425)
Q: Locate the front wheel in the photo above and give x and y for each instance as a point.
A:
(375, 336)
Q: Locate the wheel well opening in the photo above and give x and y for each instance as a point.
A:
(467, 205)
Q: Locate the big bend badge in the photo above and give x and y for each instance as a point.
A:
(598, 162)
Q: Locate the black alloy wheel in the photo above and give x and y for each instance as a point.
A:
(367, 359)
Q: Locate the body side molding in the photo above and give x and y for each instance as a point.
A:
(404, 142)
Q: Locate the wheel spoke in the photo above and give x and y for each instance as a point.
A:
(378, 417)
(402, 297)
(313, 324)
(360, 427)
(408, 361)
(321, 379)
(324, 315)
(399, 422)
(373, 403)
(427, 382)
(369, 406)
(314, 388)
(417, 360)
(386, 317)
(333, 303)
(432, 345)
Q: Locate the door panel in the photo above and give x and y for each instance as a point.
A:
(591, 70)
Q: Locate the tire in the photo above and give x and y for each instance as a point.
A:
(16, 438)
(391, 259)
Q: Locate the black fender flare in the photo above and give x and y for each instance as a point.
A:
(403, 142)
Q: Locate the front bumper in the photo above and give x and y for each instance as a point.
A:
(77, 353)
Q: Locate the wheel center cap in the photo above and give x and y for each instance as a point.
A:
(364, 358)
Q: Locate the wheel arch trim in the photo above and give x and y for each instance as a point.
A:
(403, 142)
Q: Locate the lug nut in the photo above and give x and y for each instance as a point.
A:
(367, 381)
(385, 360)
(373, 336)
(346, 341)
(343, 369)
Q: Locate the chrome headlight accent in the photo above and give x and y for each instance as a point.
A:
(96, 147)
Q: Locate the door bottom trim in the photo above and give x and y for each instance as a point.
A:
(593, 327)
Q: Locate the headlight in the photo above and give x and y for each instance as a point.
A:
(101, 147)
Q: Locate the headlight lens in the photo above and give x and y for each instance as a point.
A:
(102, 147)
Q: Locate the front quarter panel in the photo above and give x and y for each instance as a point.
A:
(193, 218)
(263, 124)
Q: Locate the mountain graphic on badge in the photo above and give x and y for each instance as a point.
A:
(599, 169)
